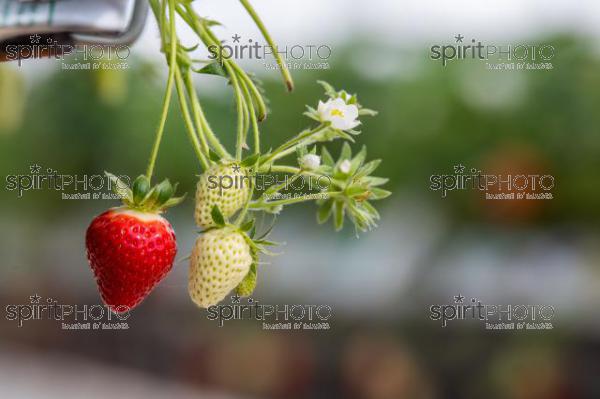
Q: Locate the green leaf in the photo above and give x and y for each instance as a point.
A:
(214, 68)
(339, 215)
(325, 211)
(217, 216)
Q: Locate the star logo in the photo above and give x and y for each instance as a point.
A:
(35, 298)
(236, 38)
(235, 298)
(460, 168)
(35, 169)
(35, 39)
(236, 168)
(459, 38)
(459, 298)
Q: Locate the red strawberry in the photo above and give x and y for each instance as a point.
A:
(132, 248)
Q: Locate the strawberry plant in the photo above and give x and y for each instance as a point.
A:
(226, 254)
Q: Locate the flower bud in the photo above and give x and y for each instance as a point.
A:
(310, 162)
(345, 166)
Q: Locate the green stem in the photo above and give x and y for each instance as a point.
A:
(296, 170)
(195, 106)
(187, 119)
(291, 145)
(168, 91)
(241, 109)
(279, 187)
(289, 201)
(252, 114)
(261, 26)
(242, 215)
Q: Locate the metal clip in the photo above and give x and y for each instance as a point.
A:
(127, 36)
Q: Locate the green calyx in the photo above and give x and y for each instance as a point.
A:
(144, 197)
(351, 190)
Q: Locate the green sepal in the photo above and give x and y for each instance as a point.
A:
(248, 284)
(354, 191)
(249, 225)
(329, 90)
(358, 160)
(368, 168)
(217, 216)
(375, 181)
(250, 160)
(338, 219)
(213, 156)
(326, 158)
(120, 188)
(164, 191)
(324, 211)
(141, 186)
(346, 152)
(379, 193)
(214, 68)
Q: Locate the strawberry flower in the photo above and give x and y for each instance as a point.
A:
(342, 116)
(340, 113)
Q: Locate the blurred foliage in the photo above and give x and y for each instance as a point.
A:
(431, 118)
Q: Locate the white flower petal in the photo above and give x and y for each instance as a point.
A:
(337, 122)
(351, 111)
(338, 103)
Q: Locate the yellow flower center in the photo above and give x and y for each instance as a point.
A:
(337, 112)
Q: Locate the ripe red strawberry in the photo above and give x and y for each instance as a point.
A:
(132, 248)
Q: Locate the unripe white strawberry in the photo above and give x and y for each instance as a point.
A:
(226, 186)
(220, 260)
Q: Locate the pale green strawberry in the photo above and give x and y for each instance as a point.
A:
(226, 186)
(220, 260)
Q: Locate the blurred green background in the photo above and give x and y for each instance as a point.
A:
(382, 344)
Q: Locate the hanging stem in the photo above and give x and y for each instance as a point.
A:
(168, 92)
(285, 73)
(188, 120)
(195, 110)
